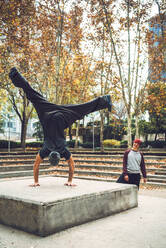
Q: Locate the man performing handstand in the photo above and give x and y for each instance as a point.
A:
(54, 120)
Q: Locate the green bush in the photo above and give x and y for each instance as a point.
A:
(34, 144)
(111, 143)
(155, 144)
(5, 144)
(88, 145)
(123, 143)
(71, 143)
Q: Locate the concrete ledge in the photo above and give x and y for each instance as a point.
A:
(53, 207)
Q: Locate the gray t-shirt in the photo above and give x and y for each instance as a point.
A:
(133, 162)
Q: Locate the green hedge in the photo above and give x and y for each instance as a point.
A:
(155, 144)
(123, 144)
(71, 143)
(34, 144)
(13, 144)
(89, 145)
(5, 144)
(111, 143)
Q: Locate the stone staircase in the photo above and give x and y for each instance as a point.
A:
(106, 167)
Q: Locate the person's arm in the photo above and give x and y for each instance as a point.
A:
(37, 163)
(71, 172)
(143, 168)
(125, 157)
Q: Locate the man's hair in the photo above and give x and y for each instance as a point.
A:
(54, 158)
(138, 141)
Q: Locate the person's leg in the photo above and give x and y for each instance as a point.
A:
(134, 179)
(78, 111)
(121, 179)
(44, 108)
(19, 81)
(137, 180)
(96, 104)
(41, 105)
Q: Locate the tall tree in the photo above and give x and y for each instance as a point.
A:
(43, 40)
(156, 105)
(97, 45)
(123, 32)
(157, 44)
(17, 29)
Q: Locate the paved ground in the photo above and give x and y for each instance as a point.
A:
(142, 227)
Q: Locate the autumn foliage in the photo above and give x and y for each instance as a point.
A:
(155, 101)
(73, 51)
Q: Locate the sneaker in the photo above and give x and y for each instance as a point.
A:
(107, 98)
(16, 78)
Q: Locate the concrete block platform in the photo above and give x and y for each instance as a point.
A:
(53, 207)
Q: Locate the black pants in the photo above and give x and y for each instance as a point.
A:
(53, 114)
(133, 179)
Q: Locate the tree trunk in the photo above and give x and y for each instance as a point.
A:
(129, 130)
(155, 136)
(101, 130)
(24, 125)
(77, 134)
(136, 128)
(70, 133)
(146, 138)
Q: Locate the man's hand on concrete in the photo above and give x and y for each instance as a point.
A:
(34, 185)
(70, 184)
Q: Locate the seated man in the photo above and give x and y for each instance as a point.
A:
(54, 119)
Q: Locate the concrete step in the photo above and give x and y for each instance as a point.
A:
(108, 173)
(153, 152)
(109, 167)
(17, 157)
(160, 172)
(25, 173)
(114, 162)
(105, 166)
(15, 162)
(62, 166)
(111, 179)
(156, 176)
(154, 183)
(90, 172)
(112, 175)
(32, 156)
(115, 156)
(44, 170)
(20, 167)
(157, 180)
(31, 161)
(146, 157)
(59, 170)
(79, 166)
